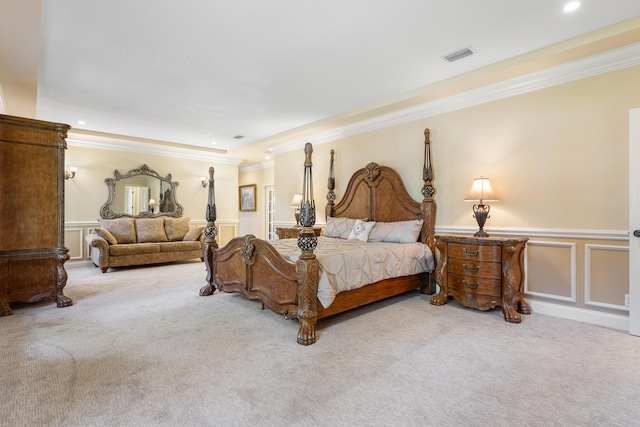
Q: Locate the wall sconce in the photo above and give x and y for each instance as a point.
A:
(481, 191)
(203, 181)
(295, 204)
(70, 172)
(152, 205)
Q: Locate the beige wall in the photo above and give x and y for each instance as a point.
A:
(556, 157)
(87, 192)
(255, 222)
(18, 96)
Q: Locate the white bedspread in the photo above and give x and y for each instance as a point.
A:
(350, 264)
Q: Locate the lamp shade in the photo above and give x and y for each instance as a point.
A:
(296, 201)
(152, 202)
(481, 191)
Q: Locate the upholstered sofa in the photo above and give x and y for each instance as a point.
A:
(137, 241)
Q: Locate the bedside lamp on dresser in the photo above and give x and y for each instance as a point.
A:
(481, 192)
(295, 204)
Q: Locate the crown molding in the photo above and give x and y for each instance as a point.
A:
(613, 60)
(132, 146)
(260, 166)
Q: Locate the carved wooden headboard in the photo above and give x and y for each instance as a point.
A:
(378, 193)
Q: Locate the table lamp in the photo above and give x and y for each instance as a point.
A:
(481, 192)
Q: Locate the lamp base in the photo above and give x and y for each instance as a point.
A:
(297, 215)
(481, 213)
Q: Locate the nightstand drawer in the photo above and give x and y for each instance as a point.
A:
(488, 270)
(475, 285)
(475, 252)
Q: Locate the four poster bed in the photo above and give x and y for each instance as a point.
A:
(289, 276)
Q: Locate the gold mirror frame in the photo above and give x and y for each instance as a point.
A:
(166, 193)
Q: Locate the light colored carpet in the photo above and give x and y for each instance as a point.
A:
(141, 347)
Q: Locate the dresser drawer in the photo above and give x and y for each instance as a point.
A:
(474, 252)
(489, 270)
(475, 285)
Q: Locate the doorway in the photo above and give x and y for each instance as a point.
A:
(634, 222)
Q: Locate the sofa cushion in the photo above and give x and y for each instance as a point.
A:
(106, 235)
(180, 246)
(150, 230)
(123, 229)
(134, 249)
(176, 228)
(193, 233)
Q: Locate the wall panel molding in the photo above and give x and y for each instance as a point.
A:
(572, 248)
(78, 237)
(587, 275)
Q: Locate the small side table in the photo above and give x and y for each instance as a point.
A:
(293, 232)
(482, 273)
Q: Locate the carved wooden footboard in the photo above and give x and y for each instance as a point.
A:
(253, 268)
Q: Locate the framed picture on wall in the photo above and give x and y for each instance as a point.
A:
(248, 198)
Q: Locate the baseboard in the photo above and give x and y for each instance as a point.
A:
(607, 320)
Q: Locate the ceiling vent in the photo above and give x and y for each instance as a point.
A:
(238, 137)
(459, 54)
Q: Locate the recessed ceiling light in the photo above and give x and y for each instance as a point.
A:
(571, 6)
(214, 143)
(81, 122)
(267, 157)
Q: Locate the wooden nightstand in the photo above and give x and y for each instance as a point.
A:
(293, 232)
(482, 273)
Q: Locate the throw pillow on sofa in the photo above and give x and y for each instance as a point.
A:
(176, 228)
(123, 229)
(193, 234)
(106, 235)
(150, 230)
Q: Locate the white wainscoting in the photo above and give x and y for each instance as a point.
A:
(74, 240)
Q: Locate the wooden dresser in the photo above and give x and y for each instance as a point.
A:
(32, 252)
(293, 232)
(482, 273)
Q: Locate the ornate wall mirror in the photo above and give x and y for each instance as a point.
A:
(141, 193)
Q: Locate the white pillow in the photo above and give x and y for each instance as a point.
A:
(361, 230)
(339, 227)
(396, 232)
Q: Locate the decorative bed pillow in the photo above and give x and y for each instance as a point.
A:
(361, 230)
(339, 227)
(150, 230)
(123, 229)
(193, 234)
(396, 232)
(106, 235)
(176, 228)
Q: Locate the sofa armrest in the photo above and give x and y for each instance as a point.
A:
(99, 250)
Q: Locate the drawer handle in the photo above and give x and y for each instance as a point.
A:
(476, 253)
(473, 270)
(475, 285)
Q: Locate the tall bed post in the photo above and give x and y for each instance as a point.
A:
(210, 233)
(331, 185)
(307, 266)
(428, 208)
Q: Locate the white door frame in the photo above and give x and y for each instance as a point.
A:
(269, 211)
(634, 221)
